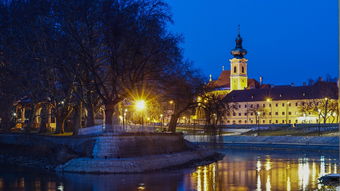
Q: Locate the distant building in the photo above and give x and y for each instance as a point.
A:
(284, 105)
(257, 103)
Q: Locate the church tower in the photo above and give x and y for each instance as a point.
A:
(238, 66)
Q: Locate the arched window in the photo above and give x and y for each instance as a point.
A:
(242, 69)
(234, 69)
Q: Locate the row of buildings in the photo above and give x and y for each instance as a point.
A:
(257, 103)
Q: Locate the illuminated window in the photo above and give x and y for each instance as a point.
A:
(235, 69)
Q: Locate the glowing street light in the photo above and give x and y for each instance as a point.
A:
(140, 105)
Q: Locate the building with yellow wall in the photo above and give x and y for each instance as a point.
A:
(257, 103)
(284, 105)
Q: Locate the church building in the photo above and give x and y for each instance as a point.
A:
(257, 103)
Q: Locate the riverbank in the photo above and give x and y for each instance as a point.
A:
(269, 142)
(105, 153)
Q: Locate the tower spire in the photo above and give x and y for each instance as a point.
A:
(238, 30)
(238, 51)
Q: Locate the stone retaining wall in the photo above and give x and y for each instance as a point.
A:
(269, 141)
(133, 165)
(140, 145)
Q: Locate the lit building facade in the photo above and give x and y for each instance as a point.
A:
(284, 105)
(257, 103)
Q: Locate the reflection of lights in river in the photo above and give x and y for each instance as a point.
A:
(258, 165)
(313, 172)
(60, 187)
(258, 183)
(322, 166)
(268, 164)
(205, 177)
(288, 184)
(303, 173)
(268, 186)
(141, 186)
(335, 169)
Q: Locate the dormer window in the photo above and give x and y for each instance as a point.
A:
(280, 95)
(303, 94)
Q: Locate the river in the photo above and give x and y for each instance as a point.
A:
(239, 170)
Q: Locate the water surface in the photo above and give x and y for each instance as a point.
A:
(239, 170)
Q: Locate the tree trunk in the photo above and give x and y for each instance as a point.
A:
(109, 111)
(77, 118)
(90, 116)
(60, 128)
(43, 121)
(173, 122)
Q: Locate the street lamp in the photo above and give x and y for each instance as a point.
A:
(325, 114)
(258, 121)
(140, 106)
(162, 120)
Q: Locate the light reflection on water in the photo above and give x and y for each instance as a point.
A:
(239, 170)
(270, 173)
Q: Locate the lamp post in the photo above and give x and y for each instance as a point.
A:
(162, 120)
(325, 114)
(140, 106)
(258, 121)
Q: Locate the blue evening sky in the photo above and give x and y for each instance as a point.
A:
(287, 40)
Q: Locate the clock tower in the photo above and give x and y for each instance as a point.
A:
(238, 66)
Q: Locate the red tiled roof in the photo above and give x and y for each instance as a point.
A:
(222, 81)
